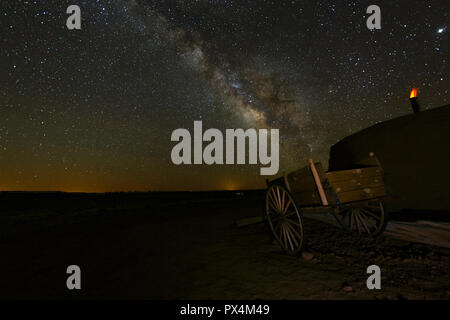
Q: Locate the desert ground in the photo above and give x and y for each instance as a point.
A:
(187, 246)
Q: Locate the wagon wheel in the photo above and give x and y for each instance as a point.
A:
(368, 218)
(284, 219)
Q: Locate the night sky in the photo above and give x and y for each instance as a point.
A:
(93, 110)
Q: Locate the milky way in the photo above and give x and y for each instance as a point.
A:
(93, 109)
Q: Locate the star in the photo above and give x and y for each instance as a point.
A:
(104, 100)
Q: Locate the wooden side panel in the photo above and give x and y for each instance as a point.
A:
(361, 194)
(301, 180)
(357, 184)
(335, 176)
(303, 186)
(307, 198)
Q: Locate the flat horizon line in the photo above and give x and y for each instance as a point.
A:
(106, 192)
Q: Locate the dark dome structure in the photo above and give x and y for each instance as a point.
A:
(414, 151)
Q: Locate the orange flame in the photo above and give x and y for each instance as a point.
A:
(413, 93)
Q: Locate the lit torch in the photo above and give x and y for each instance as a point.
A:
(413, 100)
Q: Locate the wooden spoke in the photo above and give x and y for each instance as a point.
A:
(293, 229)
(372, 215)
(363, 223)
(275, 199)
(293, 223)
(273, 206)
(282, 201)
(277, 222)
(279, 199)
(351, 220)
(357, 218)
(274, 214)
(290, 235)
(294, 237)
(366, 214)
(365, 218)
(368, 222)
(290, 213)
(289, 202)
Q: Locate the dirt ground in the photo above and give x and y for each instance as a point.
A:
(187, 247)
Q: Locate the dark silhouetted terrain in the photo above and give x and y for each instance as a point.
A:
(186, 246)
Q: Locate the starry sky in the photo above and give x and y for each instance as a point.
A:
(92, 110)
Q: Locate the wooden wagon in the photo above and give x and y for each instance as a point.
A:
(354, 196)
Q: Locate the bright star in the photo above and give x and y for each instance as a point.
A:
(440, 30)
